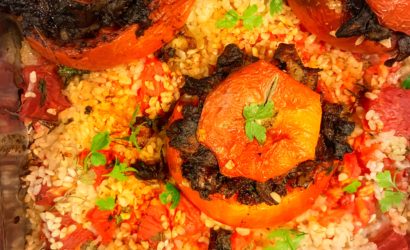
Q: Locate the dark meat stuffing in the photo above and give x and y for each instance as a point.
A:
(200, 167)
(67, 21)
(220, 240)
(364, 22)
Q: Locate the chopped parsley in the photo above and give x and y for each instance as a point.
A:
(285, 239)
(352, 187)
(135, 130)
(105, 204)
(392, 194)
(99, 141)
(170, 195)
(256, 114)
(119, 170)
(275, 6)
(250, 19)
(406, 83)
(42, 87)
(67, 73)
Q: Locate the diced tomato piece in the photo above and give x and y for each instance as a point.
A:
(77, 238)
(99, 173)
(150, 226)
(104, 223)
(392, 106)
(387, 239)
(43, 98)
(47, 195)
(193, 223)
(351, 165)
(239, 242)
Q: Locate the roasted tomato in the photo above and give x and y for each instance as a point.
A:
(321, 18)
(291, 139)
(392, 14)
(43, 98)
(122, 46)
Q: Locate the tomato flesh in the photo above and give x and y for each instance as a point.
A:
(291, 139)
(317, 17)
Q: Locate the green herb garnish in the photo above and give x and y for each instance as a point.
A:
(105, 204)
(406, 83)
(119, 170)
(67, 73)
(392, 194)
(249, 18)
(99, 141)
(256, 114)
(135, 130)
(285, 239)
(170, 195)
(275, 6)
(352, 187)
(42, 87)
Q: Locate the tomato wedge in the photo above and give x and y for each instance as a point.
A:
(232, 213)
(291, 139)
(168, 17)
(394, 15)
(319, 19)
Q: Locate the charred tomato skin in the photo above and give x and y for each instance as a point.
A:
(167, 18)
(317, 17)
(392, 14)
(231, 212)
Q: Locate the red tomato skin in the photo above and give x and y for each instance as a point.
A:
(392, 106)
(319, 19)
(35, 108)
(387, 239)
(104, 224)
(77, 238)
(393, 14)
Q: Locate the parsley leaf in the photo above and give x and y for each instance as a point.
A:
(230, 20)
(134, 116)
(256, 114)
(255, 130)
(390, 199)
(259, 111)
(100, 141)
(133, 137)
(105, 204)
(249, 18)
(385, 180)
(67, 73)
(42, 87)
(170, 195)
(352, 187)
(285, 239)
(97, 159)
(275, 6)
(406, 83)
(119, 170)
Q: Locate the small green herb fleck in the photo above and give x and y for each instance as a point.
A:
(67, 73)
(100, 141)
(392, 195)
(170, 195)
(250, 19)
(230, 20)
(42, 87)
(406, 83)
(285, 239)
(134, 136)
(352, 187)
(118, 219)
(391, 198)
(134, 116)
(119, 170)
(256, 114)
(105, 204)
(275, 6)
